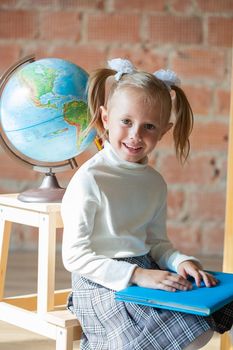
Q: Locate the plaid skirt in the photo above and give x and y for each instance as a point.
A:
(113, 325)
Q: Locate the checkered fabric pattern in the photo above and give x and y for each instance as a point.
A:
(222, 320)
(112, 325)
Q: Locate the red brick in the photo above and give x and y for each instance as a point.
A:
(166, 143)
(140, 5)
(223, 102)
(185, 237)
(38, 3)
(174, 29)
(3, 190)
(60, 25)
(175, 204)
(81, 4)
(39, 50)
(59, 236)
(210, 136)
(114, 28)
(220, 31)
(8, 3)
(212, 238)
(197, 170)
(200, 98)
(215, 6)
(153, 158)
(18, 24)
(10, 54)
(182, 6)
(207, 205)
(142, 58)
(29, 237)
(65, 177)
(13, 169)
(88, 57)
(200, 64)
(24, 237)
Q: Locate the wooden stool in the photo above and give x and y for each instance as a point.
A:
(43, 313)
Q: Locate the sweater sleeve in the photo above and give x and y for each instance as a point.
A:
(162, 250)
(79, 206)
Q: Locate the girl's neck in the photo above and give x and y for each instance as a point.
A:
(114, 158)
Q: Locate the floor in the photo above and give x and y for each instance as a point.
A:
(21, 279)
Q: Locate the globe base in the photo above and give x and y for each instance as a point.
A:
(48, 192)
(41, 195)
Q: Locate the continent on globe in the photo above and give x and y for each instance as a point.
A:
(39, 81)
(75, 113)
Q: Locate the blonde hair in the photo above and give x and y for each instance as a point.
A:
(102, 85)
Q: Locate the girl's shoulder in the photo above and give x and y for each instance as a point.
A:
(85, 175)
(154, 174)
(82, 183)
(91, 164)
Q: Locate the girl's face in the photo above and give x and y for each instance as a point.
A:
(134, 127)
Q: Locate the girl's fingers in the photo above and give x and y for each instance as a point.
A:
(175, 285)
(179, 279)
(198, 278)
(208, 279)
(168, 281)
(164, 286)
(177, 282)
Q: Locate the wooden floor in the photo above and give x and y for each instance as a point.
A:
(21, 279)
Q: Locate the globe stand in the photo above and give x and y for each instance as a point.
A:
(70, 122)
(49, 191)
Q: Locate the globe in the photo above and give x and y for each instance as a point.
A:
(43, 113)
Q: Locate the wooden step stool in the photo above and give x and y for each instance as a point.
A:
(45, 312)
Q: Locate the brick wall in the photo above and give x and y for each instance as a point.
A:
(193, 37)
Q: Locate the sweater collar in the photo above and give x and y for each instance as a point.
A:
(117, 161)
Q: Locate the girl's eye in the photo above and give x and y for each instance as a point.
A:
(126, 121)
(149, 126)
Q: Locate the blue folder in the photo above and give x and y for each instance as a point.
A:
(200, 300)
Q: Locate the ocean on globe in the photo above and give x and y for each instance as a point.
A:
(43, 111)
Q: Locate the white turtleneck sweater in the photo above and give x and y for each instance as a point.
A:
(113, 209)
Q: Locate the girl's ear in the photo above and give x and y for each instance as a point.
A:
(165, 130)
(104, 117)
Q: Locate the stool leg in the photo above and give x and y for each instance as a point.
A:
(46, 263)
(5, 229)
(226, 342)
(64, 340)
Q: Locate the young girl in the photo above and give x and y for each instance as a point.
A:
(114, 214)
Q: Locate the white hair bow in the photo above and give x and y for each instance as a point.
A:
(122, 66)
(168, 77)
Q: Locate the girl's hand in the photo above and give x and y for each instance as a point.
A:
(194, 269)
(160, 279)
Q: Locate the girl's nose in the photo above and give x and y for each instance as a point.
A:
(135, 134)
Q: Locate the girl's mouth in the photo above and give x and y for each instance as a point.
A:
(133, 148)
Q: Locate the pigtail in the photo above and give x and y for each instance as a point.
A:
(96, 98)
(183, 125)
